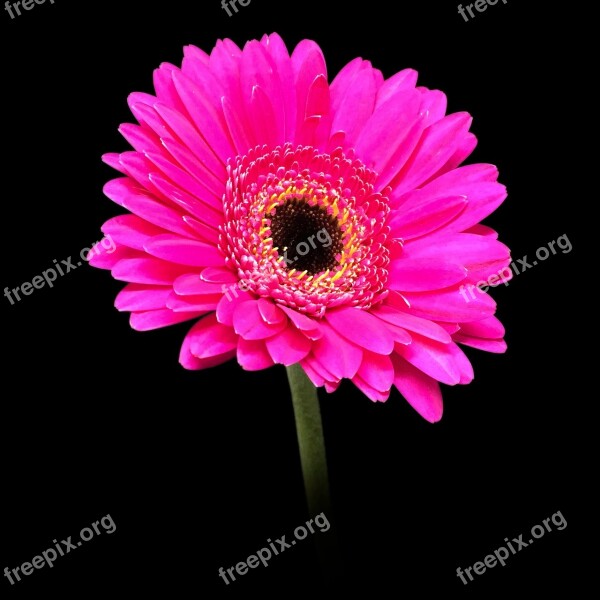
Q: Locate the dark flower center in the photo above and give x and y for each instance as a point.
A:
(306, 236)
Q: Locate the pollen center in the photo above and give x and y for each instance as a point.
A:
(306, 228)
(308, 236)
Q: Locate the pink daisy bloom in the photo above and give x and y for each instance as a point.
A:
(301, 222)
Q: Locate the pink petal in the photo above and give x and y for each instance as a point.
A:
(209, 121)
(421, 275)
(165, 88)
(434, 149)
(400, 335)
(449, 327)
(176, 125)
(270, 312)
(484, 335)
(477, 183)
(412, 221)
(482, 230)
(155, 319)
(204, 303)
(433, 358)
(195, 55)
(362, 329)
(467, 249)
(225, 60)
(433, 105)
(194, 186)
(424, 327)
(203, 231)
(369, 391)
(121, 188)
(192, 285)
(136, 298)
(487, 345)
(228, 304)
(252, 355)
(343, 81)
(190, 204)
(317, 100)
(317, 124)
(148, 271)
(263, 117)
(386, 129)
(112, 160)
(331, 387)
(421, 392)
(102, 256)
(340, 357)
(444, 362)
(308, 326)
(130, 230)
(155, 213)
(377, 371)
(184, 252)
(139, 168)
(288, 347)
(282, 65)
(336, 140)
(241, 137)
(462, 362)
(357, 104)
(318, 367)
(307, 64)
(200, 73)
(189, 361)
(140, 99)
(403, 80)
(490, 328)
(141, 138)
(248, 322)
(211, 338)
(464, 150)
(400, 157)
(218, 275)
(261, 91)
(315, 377)
(450, 305)
(211, 188)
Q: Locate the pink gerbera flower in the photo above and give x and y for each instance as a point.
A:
(297, 221)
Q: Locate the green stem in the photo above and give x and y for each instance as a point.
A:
(311, 442)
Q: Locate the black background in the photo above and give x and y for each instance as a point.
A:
(198, 469)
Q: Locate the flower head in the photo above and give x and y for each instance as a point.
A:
(297, 221)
